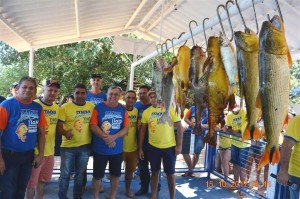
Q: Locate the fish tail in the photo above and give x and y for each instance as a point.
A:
(232, 89)
(211, 140)
(256, 133)
(265, 159)
(275, 155)
(165, 118)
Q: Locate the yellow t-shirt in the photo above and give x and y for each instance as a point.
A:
(238, 122)
(130, 140)
(160, 135)
(293, 132)
(224, 140)
(51, 113)
(77, 118)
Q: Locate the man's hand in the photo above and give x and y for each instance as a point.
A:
(109, 139)
(178, 149)
(283, 177)
(37, 161)
(141, 154)
(69, 134)
(2, 166)
(112, 144)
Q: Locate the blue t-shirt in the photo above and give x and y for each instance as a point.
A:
(96, 98)
(110, 120)
(20, 133)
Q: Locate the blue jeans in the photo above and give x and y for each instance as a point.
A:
(69, 156)
(16, 176)
(294, 193)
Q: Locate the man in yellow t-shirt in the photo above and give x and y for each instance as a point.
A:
(162, 143)
(289, 157)
(236, 123)
(73, 125)
(43, 173)
(130, 141)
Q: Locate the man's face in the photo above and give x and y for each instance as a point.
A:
(26, 91)
(143, 95)
(96, 82)
(153, 98)
(113, 96)
(130, 98)
(50, 93)
(79, 96)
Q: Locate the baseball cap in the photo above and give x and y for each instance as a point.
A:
(14, 85)
(52, 83)
(152, 90)
(96, 76)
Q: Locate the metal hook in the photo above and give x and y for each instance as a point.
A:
(173, 46)
(157, 48)
(238, 7)
(191, 30)
(228, 16)
(162, 48)
(257, 29)
(203, 26)
(167, 45)
(279, 10)
(181, 35)
(220, 21)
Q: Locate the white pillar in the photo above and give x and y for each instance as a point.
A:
(31, 62)
(131, 78)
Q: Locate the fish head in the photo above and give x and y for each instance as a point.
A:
(272, 37)
(213, 46)
(197, 51)
(246, 41)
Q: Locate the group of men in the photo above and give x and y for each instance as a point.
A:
(93, 122)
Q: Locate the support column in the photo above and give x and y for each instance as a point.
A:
(31, 62)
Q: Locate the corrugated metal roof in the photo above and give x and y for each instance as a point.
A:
(26, 24)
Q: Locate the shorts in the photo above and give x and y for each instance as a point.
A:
(130, 159)
(43, 173)
(100, 162)
(167, 154)
(186, 142)
(239, 156)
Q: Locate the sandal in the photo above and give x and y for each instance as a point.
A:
(186, 174)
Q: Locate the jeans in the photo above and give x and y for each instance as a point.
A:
(69, 156)
(16, 176)
(294, 192)
(144, 170)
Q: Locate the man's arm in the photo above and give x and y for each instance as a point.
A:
(285, 154)
(60, 129)
(2, 163)
(142, 134)
(178, 147)
(41, 146)
(191, 124)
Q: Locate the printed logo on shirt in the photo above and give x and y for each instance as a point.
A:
(115, 118)
(22, 131)
(32, 117)
(106, 127)
(78, 125)
(96, 100)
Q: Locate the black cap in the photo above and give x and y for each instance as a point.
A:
(52, 83)
(96, 76)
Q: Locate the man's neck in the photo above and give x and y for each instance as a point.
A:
(95, 90)
(48, 102)
(128, 107)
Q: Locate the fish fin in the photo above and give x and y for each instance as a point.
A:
(246, 134)
(265, 159)
(286, 120)
(231, 102)
(168, 69)
(275, 156)
(232, 89)
(256, 134)
(290, 61)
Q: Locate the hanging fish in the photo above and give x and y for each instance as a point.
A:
(199, 83)
(247, 56)
(274, 78)
(157, 76)
(184, 61)
(218, 85)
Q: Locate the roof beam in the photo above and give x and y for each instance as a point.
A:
(13, 29)
(136, 12)
(75, 39)
(166, 12)
(77, 18)
(150, 13)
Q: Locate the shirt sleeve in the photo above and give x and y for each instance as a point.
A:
(144, 119)
(94, 118)
(42, 121)
(4, 118)
(292, 130)
(126, 119)
(188, 113)
(62, 114)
